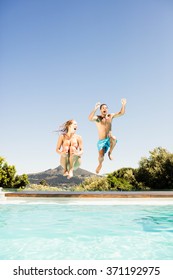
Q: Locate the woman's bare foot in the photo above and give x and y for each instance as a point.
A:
(110, 156)
(70, 174)
(65, 173)
(98, 168)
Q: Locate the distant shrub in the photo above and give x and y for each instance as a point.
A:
(93, 183)
(39, 187)
(43, 183)
(108, 183)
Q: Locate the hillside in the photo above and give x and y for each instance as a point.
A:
(54, 177)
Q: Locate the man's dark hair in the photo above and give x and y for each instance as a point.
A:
(103, 105)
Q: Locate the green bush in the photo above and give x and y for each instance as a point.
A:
(125, 179)
(156, 172)
(93, 184)
(108, 183)
(8, 177)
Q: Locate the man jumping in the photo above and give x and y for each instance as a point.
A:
(104, 126)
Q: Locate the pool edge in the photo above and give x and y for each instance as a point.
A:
(147, 194)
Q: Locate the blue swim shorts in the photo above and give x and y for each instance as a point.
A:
(104, 144)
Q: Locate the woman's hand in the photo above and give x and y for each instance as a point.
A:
(78, 153)
(64, 153)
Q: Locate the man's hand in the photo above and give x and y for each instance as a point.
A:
(123, 101)
(97, 105)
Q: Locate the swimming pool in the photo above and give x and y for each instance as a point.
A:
(61, 230)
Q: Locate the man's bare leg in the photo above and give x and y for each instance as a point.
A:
(100, 159)
(113, 142)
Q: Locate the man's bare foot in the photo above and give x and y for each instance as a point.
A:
(110, 156)
(65, 173)
(70, 174)
(98, 168)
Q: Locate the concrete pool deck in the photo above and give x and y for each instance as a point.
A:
(101, 194)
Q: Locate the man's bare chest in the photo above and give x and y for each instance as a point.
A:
(105, 121)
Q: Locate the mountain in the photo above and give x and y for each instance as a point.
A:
(54, 177)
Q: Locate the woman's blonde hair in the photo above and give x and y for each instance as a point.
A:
(63, 129)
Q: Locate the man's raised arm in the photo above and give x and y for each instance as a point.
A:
(92, 116)
(122, 111)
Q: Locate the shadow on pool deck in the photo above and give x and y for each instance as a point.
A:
(101, 194)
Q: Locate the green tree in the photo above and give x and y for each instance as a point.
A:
(156, 172)
(8, 177)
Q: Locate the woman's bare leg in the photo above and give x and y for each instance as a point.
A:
(72, 161)
(77, 162)
(64, 163)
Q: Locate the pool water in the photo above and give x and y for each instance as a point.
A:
(80, 232)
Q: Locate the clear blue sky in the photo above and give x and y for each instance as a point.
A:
(59, 57)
